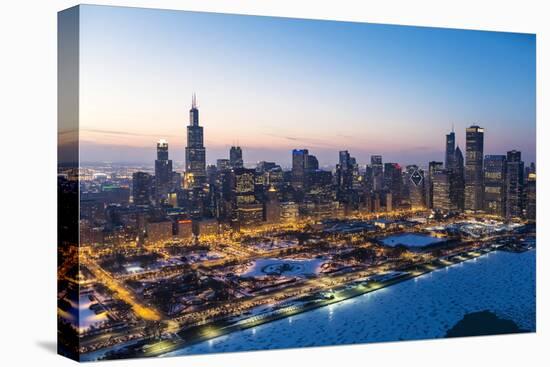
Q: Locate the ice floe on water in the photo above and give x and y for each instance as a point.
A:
(501, 282)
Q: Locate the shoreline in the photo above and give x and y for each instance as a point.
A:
(204, 333)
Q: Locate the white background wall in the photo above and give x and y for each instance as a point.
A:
(28, 181)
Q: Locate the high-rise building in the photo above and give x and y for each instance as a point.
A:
(141, 188)
(248, 211)
(272, 206)
(531, 207)
(344, 172)
(236, 157)
(514, 184)
(195, 153)
(457, 180)
(393, 181)
(433, 167)
(454, 164)
(243, 190)
(442, 190)
(163, 172)
(299, 168)
(415, 186)
(223, 164)
(494, 189)
(449, 150)
(377, 172)
(473, 172)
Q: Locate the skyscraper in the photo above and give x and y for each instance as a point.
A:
(223, 164)
(449, 150)
(163, 172)
(514, 184)
(442, 190)
(248, 211)
(272, 207)
(393, 181)
(344, 171)
(195, 154)
(433, 167)
(494, 190)
(415, 186)
(377, 172)
(236, 157)
(473, 173)
(299, 168)
(141, 188)
(457, 180)
(531, 207)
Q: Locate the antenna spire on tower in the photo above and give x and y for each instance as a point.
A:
(194, 101)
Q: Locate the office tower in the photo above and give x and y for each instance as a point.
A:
(195, 154)
(344, 158)
(344, 172)
(272, 206)
(243, 190)
(248, 211)
(141, 188)
(494, 189)
(223, 164)
(299, 168)
(433, 167)
(368, 178)
(377, 172)
(275, 177)
(312, 163)
(450, 150)
(514, 184)
(236, 157)
(531, 188)
(163, 172)
(393, 181)
(415, 186)
(357, 178)
(442, 191)
(457, 180)
(473, 171)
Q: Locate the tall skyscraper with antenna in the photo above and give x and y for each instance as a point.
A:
(195, 153)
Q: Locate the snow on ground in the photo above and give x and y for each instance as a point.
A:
(276, 244)
(411, 240)
(283, 267)
(427, 307)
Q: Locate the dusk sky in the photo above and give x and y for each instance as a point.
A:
(275, 84)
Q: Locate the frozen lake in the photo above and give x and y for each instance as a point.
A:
(425, 307)
(411, 240)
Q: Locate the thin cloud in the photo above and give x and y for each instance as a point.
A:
(124, 133)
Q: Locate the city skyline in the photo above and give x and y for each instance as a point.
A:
(449, 149)
(288, 99)
(244, 176)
